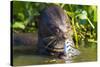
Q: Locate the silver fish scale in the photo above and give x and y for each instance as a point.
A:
(70, 49)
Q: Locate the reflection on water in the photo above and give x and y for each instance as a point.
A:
(34, 59)
(24, 54)
(87, 54)
(26, 57)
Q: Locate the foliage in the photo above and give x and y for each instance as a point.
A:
(84, 23)
(83, 19)
(24, 15)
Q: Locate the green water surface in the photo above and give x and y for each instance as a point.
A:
(28, 57)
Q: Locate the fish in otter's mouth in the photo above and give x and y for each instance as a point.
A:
(53, 29)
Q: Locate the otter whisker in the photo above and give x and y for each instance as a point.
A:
(50, 43)
(55, 42)
(50, 37)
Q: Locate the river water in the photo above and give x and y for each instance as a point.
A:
(25, 54)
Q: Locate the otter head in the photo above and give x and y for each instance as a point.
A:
(54, 26)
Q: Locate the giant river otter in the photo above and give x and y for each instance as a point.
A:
(54, 29)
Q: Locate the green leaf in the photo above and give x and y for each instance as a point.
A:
(21, 16)
(75, 33)
(83, 15)
(18, 25)
(90, 23)
(95, 13)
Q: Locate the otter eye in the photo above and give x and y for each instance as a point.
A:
(57, 30)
